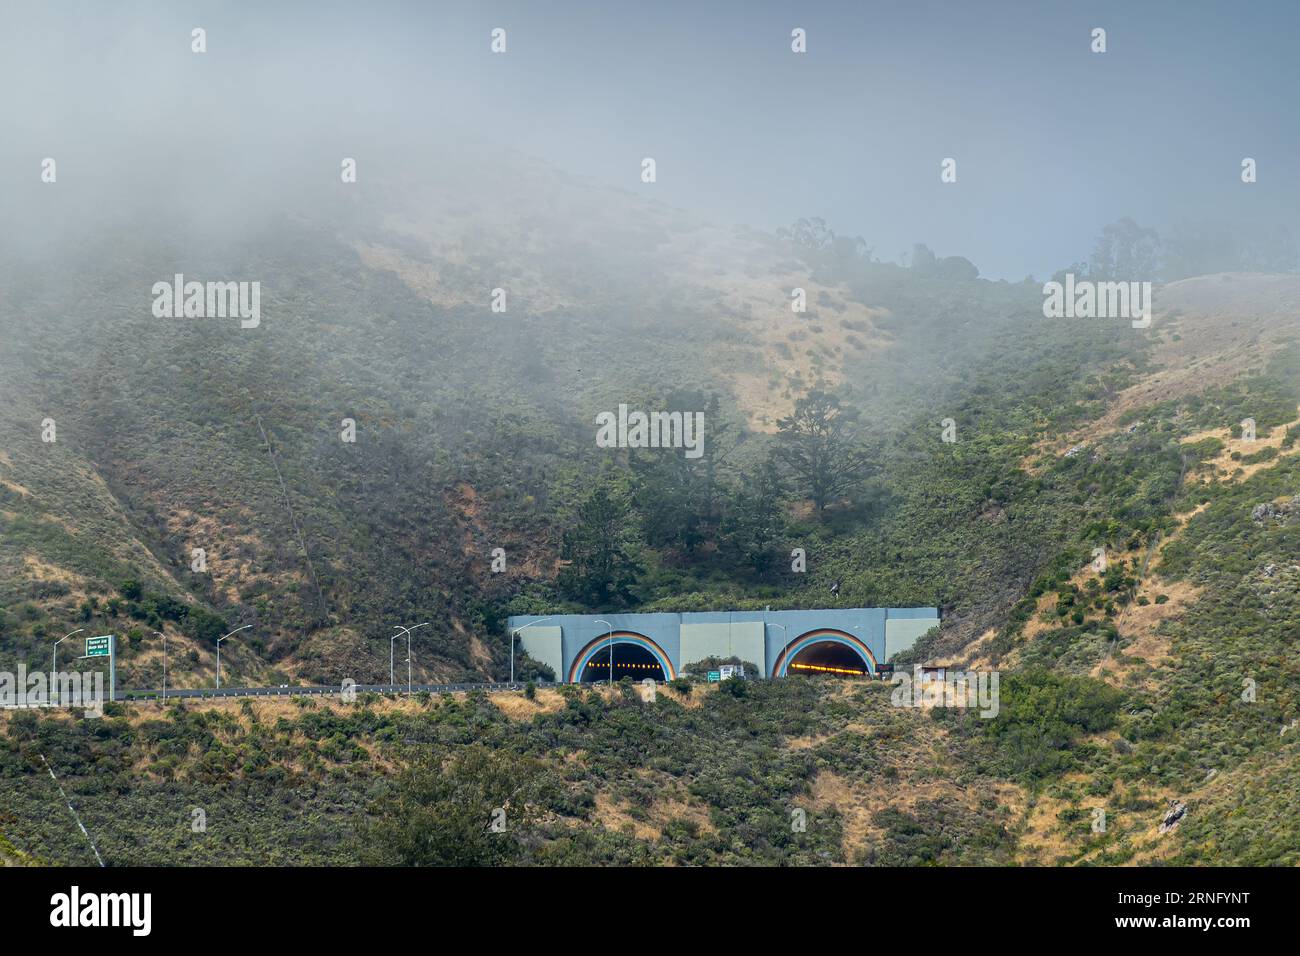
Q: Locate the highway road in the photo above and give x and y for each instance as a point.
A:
(315, 691)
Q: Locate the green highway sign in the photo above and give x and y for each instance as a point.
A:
(714, 677)
(99, 646)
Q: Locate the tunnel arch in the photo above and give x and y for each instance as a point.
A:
(811, 642)
(625, 638)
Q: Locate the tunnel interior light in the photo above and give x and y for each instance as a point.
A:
(629, 662)
(617, 663)
(827, 670)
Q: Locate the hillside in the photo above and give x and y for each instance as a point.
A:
(170, 433)
(474, 431)
(473, 428)
(701, 778)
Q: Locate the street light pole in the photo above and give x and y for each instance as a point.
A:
(868, 675)
(784, 634)
(611, 651)
(408, 631)
(54, 655)
(513, 635)
(164, 637)
(219, 640)
(391, 679)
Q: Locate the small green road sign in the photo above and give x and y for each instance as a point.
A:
(714, 677)
(99, 646)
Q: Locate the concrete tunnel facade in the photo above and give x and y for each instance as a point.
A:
(777, 643)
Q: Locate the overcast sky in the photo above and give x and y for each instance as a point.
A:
(1051, 140)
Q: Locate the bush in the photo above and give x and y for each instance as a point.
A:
(1042, 716)
(735, 686)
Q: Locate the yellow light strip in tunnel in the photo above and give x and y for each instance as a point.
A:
(826, 670)
(605, 664)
